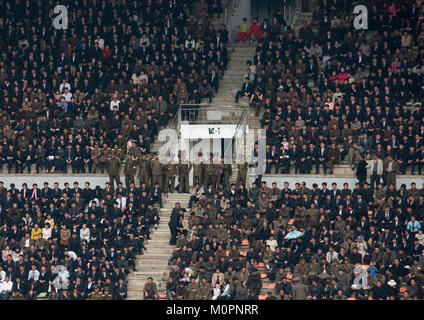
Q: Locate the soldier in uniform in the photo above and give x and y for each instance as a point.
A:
(113, 166)
(183, 172)
(333, 155)
(218, 171)
(156, 171)
(119, 152)
(130, 170)
(96, 153)
(170, 174)
(227, 171)
(96, 294)
(150, 290)
(143, 170)
(104, 154)
(106, 294)
(134, 151)
(198, 167)
(210, 171)
(241, 173)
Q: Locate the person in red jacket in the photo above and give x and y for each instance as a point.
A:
(106, 52)
(255, 29)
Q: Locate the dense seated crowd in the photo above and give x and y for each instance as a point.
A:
(85, 98)
(117, 73)
(310, 242)
(72, 242)
(330, 93)
(359, 89)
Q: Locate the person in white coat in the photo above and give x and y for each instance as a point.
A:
(375, 171)
(85, 233)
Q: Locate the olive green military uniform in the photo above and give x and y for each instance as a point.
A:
(106, 295)
(241, 173)
(143, 170)
(333, 158)
(104, 154)
(210, 171)
(113, 166)
(130, 169)
(96, 154)
(227, 171)
(156, 171)
(217, 168)
(198, 172)
(183, 170)
(95, 295)
(170, 173)
(119, 153)
(134, 152)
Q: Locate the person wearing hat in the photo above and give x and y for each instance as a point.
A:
(113, 168)
(183, 170)
(130, 169)
(156, 170)
(170, 172)
(96, 294)
(102, 154)
(144, 170)
(299, 290)
(106, 295)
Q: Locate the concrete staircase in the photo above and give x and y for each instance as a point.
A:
(154, 262)
(300, 16)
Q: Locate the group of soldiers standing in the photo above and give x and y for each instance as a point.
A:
(153, 169)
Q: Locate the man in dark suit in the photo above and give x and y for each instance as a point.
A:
(46, 192)
(245, 91)
(156, 194)
(213, 80)
(321, 158)
(120, 290)
(69, 157)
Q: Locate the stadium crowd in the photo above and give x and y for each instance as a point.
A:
(303, 243)
(87, 98)
(335, 92)
(96, 94)
(117, 73)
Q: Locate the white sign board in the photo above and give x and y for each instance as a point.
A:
(206, 131)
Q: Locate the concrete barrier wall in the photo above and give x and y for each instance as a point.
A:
(310, 179)
(18, 180)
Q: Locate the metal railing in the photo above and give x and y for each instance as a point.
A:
(205, 114)
(193, 114)
(228, 11)
(290, 8)
(236, 149)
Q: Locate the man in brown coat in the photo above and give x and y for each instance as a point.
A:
(144, 170)
(299, 291)
(113, 166)
(26, 243)
(170, 174)
(150, 290)
(130, 170)
(204, 291)
(156, 171)
(390, 169)
(333, 155)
